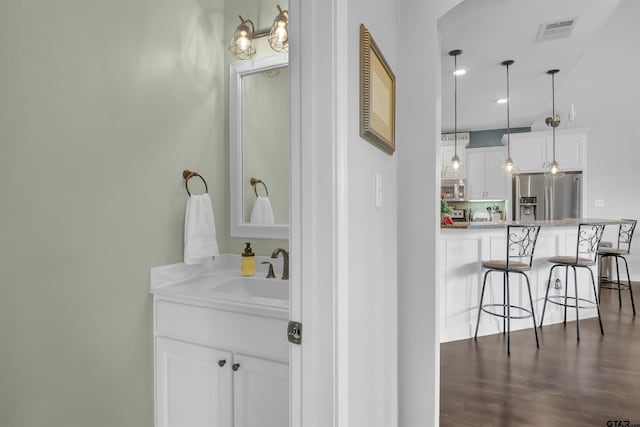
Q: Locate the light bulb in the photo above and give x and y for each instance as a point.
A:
(508, 165)
(243, 41)
(455, 162)
(460, 72)
(555, 168)
(281, 32)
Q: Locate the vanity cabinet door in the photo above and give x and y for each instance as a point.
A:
(261, 392)
(193, 385)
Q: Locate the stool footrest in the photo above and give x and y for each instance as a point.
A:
(592, 304)
(612, 284)
(517, 307)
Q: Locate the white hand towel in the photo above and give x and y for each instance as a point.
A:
(200, 242)
(262, 212)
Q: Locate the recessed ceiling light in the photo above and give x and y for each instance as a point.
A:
(502, 101)
(460, 72)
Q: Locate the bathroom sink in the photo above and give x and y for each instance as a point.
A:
(251, 287)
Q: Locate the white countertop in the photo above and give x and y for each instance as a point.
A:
(212, 285)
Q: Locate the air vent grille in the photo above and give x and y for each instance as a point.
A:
(560, 29)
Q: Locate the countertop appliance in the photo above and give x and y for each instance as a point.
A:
(539, 196)
(458, 215)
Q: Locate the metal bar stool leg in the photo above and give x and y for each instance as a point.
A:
(597, 299)
(633, 304)
(504, 302)
(618, 282)
(484, 282)
(546, 295)
(575, 283)
(533, 311)
(508, 318)
(566, 290)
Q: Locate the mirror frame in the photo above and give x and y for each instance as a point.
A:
(237, 71)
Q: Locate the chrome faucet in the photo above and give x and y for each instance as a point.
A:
(285, 267)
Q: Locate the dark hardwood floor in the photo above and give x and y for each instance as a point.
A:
(564, 383)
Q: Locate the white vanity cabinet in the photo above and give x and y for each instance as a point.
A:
(193, 384)
(485, 180)
(533, 151)
(216, 367)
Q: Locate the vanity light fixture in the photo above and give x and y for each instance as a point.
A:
(553, 121)
(279, 35)
(242, 43)
(241, 46)
(455, 160)
(509, 167)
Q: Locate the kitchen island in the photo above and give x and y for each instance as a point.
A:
(464, 246)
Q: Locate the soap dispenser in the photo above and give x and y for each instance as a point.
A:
(248, 263)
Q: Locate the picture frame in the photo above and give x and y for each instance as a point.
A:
(377, 95)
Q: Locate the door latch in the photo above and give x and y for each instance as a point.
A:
(294, 332)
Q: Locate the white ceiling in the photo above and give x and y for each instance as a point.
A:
(491, 31)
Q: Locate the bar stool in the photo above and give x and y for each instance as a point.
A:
(625, 233)
(588, 240)
(521, 242)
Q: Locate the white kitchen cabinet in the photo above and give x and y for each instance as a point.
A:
(485, 179)
(193, 385)
(216, 367)
(569, 150)
(533, 151)
(529, 152)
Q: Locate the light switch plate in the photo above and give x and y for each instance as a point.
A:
(378, 190)
(599, 203)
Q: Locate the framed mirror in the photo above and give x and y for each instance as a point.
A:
(259, 147)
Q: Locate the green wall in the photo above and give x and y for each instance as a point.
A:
(102, 104)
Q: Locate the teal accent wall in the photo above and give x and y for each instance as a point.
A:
(491, 138)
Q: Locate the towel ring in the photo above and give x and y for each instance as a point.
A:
(254, 182)
(187, 175)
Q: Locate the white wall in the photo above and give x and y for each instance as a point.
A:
(605, 89)
(418, 154)
(372, 235)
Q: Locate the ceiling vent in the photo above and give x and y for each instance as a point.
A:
(561, 29)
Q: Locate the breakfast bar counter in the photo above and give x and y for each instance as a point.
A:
(463, 248)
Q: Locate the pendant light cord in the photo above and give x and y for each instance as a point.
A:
(553, 111)
(455, 105)
(508, 122)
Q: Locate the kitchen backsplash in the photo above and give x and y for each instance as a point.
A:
(478, 206)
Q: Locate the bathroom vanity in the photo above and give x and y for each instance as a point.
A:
(221, 349)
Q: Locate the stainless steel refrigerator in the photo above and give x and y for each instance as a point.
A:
(538, 196)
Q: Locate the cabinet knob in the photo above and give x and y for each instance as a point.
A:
(235, 366)
(222, 362)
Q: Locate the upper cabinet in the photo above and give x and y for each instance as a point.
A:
(533, 151)
(448, 149)
(485, 180)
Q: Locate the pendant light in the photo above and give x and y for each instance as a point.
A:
(455, 160)
(553, 121)
(509, 167)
